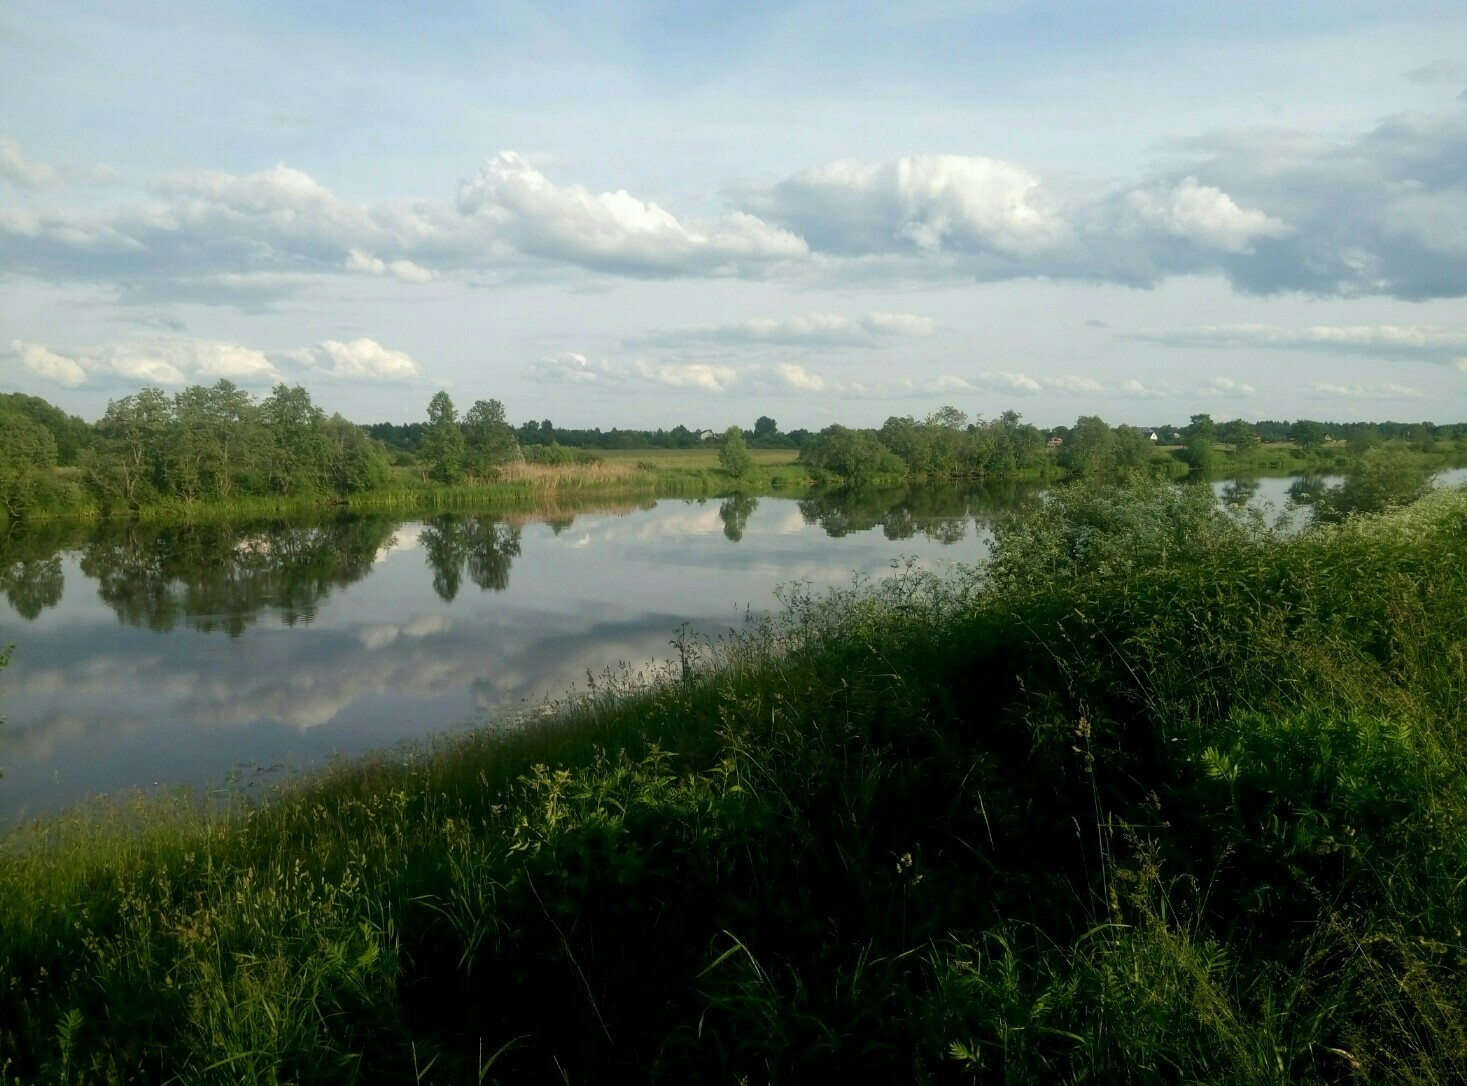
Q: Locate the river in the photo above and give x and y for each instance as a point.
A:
(221, 656)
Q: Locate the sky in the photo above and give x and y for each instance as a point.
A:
(641, 214)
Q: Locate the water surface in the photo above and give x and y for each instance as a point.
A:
(161, 655)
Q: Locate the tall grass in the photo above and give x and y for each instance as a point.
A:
(1157, 797)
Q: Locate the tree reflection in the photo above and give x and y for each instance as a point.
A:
(216, 577)
(30, 568)
(735, 512)
(941, 513)
(485, 545)
(1239, 492)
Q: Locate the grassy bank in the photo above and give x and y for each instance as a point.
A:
(1158, 798)
(646, 473)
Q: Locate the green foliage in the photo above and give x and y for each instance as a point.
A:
(489, 441)
(70, 433)
(1091, 447)
(733, 453)
(856, 456)
(443, 447)
(1383, 479)
(1307, 434)
(27, 450)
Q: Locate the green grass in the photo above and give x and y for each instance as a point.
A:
(1156, 798)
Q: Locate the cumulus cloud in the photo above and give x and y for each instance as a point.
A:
(1382, 213)
(163, 361)
(799, 377)
(173, 362)
(701, 375)
(48, 365)
(366, 360)
(921, 203)
(1205, 215)
(824, 330)
(406, 270)
(1428, 343)
(615, 231)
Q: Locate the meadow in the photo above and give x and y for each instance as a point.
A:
(1159, 795)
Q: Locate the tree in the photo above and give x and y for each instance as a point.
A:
(1239, 434)
(488, 438)
(27, 450)
(1197, 444)
(1307, 434)
(734, 456)
(443, 443)
(1132, 448)
(297, 449)
(854, 455)
(765, 428)
(355, 462)
(124, 462)
(1090, 448)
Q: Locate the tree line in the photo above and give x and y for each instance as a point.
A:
(217, 443)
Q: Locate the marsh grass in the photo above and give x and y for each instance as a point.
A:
(1158, 797)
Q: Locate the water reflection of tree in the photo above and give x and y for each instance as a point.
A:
(1239, 492)
(30, 567)
(485, 545)
(217, 577)
(1306, 489)
(735, 512)
(941, 513)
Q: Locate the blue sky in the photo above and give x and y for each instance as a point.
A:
(646, 214)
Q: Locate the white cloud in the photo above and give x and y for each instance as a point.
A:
(1205, 215)
(1133, 387)
(614, 231)
(898, 324)
(162, 361)
(1273, 211)
(367, 360)
(798, 377)
(1227, 387)
(15, 167)
(924, 203)
(573, 368)
(48, 365)
(173, 362)
(406, 270)
(701, 375)
(1008, 381)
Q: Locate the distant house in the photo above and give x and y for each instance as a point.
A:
(706, 435)
(1152, 435)
(1055, 442)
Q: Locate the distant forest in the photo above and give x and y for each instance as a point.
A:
(218, 442)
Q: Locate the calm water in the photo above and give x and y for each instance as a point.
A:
(195, 655)
(169, 655)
